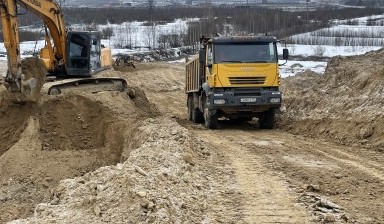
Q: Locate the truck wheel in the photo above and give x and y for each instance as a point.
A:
(197, 115)
(267, 119)
(210, 119)
(54, 91)
(190, 107)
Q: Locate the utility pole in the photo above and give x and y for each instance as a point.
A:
(308, 9)
(151, 6)
(208, 9)
(208, 16)
(62, 3)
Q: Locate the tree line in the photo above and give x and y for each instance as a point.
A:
(224, 20)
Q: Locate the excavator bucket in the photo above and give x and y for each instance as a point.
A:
(28, 87)
(33, 77)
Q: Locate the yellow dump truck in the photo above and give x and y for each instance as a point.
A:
(236, 78)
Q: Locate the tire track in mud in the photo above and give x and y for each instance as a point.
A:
(254, 153)
(330, 151)
(356, 158)
(266, 198)
(344, 174)
(352, 162)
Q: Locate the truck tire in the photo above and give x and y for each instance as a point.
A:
(210, 118)
(197, 115)
(267, 119)
(190, 107)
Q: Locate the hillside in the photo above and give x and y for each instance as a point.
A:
(343, 105)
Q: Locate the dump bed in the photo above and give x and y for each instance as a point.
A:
(192, 75)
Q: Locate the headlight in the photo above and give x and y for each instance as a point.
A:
(274, 100)
(219, 101)
(275, 93)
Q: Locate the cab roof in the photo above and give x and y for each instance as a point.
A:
(243, 39)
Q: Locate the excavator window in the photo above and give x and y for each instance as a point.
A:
(79, 51)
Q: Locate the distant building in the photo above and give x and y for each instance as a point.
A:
(112, 4)
(188, 2)
(126, 4)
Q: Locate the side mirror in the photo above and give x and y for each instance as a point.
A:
(209, 66)
(202, 56)
(285, 54)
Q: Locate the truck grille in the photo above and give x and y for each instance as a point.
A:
(247, 80)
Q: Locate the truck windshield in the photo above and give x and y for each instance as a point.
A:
(260, 52)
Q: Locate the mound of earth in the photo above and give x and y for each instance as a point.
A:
(344, 105)
(124, 66)
(163, 84)
(162, 181)
(61, 137)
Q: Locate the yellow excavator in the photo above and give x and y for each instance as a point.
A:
(73, 56)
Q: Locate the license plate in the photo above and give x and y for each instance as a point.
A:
(248, 100)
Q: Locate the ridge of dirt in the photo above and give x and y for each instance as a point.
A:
(60, 137)
(158, 80)
(165, 180)
(345, 105)
(13, 120)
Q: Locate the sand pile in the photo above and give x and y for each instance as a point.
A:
(161, 182)
(346, 104)
(60, 137)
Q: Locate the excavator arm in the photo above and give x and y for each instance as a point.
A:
(54, 57)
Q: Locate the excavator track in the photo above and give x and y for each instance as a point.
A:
(93, 85)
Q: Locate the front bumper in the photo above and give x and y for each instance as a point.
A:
(258, 99)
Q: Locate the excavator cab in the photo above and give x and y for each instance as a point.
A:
(83, 53)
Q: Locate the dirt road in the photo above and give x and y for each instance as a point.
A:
(284, 177)
(265, 196)
(179, 172)
(276, 170)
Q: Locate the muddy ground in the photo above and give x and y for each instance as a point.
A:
(123, 158)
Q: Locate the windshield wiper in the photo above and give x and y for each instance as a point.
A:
(230, 61)
(257, 61)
